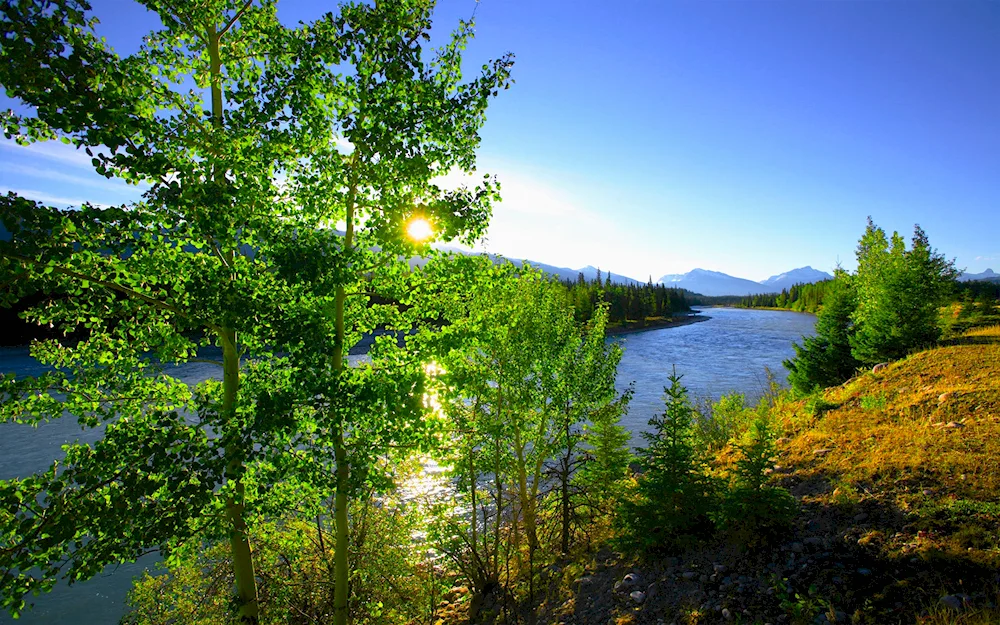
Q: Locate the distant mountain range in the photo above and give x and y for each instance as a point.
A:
(714, 283)
(701, 281)
(988, 275)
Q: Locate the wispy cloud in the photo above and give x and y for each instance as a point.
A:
(50, 150)
(990, 257)
(94, 181)
(52, 200)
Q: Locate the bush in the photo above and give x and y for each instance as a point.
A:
(295, 574)
(751, 509)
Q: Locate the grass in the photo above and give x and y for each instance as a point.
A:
(916, 447)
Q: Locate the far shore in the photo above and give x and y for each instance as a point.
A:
(656, 324)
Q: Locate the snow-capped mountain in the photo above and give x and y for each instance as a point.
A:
(711, 283)
(802, 275)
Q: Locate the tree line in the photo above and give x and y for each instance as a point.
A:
(626, 302)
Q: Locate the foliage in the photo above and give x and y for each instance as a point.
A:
(294, 558)
(825, 359)
(898, 295)
(522, 391)
(230, 248)
(718, 423)
(751, 509)
(672, 498)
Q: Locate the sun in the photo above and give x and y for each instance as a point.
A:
(419, 229)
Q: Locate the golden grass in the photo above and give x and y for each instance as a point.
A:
(921, 436)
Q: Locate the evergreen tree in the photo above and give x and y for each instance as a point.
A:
(898, 294)
(673, 496)
(825, 359)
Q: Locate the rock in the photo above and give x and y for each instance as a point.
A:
(726, 614)
(927, 492)
(618, 587)
(637, 596)
(586, 579)
(952, 425)
(956, 602)
(813, 541)
(689, 575)
(943, 397)
(783, 440)
(821, 452)
(860, 517)
(880, 367)
(630, 580)
(719, 568)
(864, 572)
(703, 579)
(796, 547)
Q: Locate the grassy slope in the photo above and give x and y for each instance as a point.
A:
(905, 464)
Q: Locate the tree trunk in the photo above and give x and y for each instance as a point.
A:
(239, 541)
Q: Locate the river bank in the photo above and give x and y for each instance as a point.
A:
(655, 324)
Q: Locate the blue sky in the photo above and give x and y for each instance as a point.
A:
(748, 136)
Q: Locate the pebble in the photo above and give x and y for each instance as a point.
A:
(726, 614)
(637, 596)
(860, 517)
(821, 452)
(689, 575)
(797, 547)
(864, 572)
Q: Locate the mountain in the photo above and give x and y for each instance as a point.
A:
(989, 275)
(802, 275)
(713, 283)
(564, 273)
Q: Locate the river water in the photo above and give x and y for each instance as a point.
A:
(727, 353)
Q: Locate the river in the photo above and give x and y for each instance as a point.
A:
(727, 353)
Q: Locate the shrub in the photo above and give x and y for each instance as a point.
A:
(295, 573)
(751, 509)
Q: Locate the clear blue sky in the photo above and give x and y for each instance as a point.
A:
(749, 136)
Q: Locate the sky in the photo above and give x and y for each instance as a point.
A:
(743, 136)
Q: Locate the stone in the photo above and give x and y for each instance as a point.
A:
(860, 517)
(630, 580)
(821, 452)
(880, 367)
(637, 596)
(927, 492)
(813, 541)
(726, 614)
(689, 575)
(943, 397)
(954, 425)
(864, 572)
(703, 579)
(719, 568)
(956, 602)
(796, 547)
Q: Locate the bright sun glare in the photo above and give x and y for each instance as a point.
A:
(419, 229)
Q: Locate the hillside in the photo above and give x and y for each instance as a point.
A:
(897, 476)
